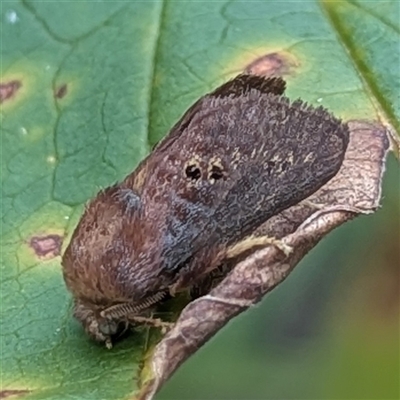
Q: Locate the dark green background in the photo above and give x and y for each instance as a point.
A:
(130, 69)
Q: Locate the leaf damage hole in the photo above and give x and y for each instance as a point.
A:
(61, 91)
(272, 64)
(193, 172)
(48, 246)
(5, 394)
(9, 89)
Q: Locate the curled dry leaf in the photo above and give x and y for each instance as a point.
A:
(355, 190)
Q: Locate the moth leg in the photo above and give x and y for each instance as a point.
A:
(185, 278)
(311, 204)
(190, 273)
(255, 241)
(154, 322)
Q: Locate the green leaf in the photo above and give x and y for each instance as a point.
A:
(88, 87)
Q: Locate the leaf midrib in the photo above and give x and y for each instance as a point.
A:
(372, 89)
(153, 68)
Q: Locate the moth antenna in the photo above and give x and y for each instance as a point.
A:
(121, 310)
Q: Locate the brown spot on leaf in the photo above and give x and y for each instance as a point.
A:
(48, 246)
(273, 64)
(61, 91)
(5, 394)
(8, 89)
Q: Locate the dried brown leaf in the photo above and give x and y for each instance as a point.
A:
(355, 190)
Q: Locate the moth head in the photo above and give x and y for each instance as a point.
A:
(101, 246)
(99, 328)
(104, 325)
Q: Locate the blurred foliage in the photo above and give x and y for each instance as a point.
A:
(88, 88)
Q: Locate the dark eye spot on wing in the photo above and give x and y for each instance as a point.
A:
(216, 173)
(216, 170)
(193, 172)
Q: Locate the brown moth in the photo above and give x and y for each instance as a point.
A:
(238, 156)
